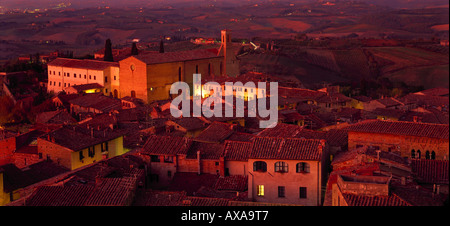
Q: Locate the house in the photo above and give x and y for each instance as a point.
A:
(77, 146)
(95, 103)
(412, 140)
(55, 117)
(235, 155)
(84, 88)
(390, 103)
(65, 72)
(287, 170)
(191, 126)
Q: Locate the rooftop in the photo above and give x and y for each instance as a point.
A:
(178, 56)
(286, 148)
(82, 64)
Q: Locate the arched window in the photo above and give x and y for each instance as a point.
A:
(179, 74)
(281, 167)
(433, 155)
(418, 154)
(302, 167)
(413, 154)
(260, 166)
(133, 93)
(116, 94)
(427, 155)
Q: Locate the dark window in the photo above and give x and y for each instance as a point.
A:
(81, 155)
(427, 155)
(433, 155)
(209, 69)
(281, 192)
(302, 192)
(281, 167)
(133, 94)
(106, 79)
(154, 158)
(260, 166)
(75, 75)
(179, 74)
(196, 69)
(114, 78)
(91, 152)
(302, 167)
(217, 163)
(413, 154)
(40, 155)
(84, 76)
(169, 173)
(418, 154)
(95, 77)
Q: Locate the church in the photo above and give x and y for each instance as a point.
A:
(149, 76)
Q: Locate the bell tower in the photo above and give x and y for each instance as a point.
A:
(230, 64)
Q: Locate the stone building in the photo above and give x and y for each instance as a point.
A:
(413, 140)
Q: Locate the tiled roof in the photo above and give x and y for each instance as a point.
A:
(333, 98)
(430, 171)
(113, 192)
(97, 101)
(83, 87)
(55, 117)
(190, 123)
(59, 196)
(425, 100)
(363, 200)
(286, 148)
(232, 183)
(389, 102)
(388, 112)
(178, 56)
(82, 64)
(402, 128)
(207, 150)
(215, 132)
(203, 201)
(281, 130)
(305, 94)
(237, 150)
(191, 182)
(167, 145)
(161, 198)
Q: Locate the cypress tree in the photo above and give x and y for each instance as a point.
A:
(161, 47)
(108, 51)
(134, 49)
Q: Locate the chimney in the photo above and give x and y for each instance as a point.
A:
(199, 163)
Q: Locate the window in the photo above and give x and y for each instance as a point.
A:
(79, 76)
(64, 74)
(433, 155)
(302, 167)
(418, 154)
(154, 158)
(179, 74)
(90, 76)
(413, 154)
(260, 190)
(281, 192)
(302, 192)
(75, 75)
(196, 69)
(169, 173)
(95, 77)
(114, 78)
(133, 93)
(281, 167)
(81, 155)
(59, 73)
(168, 159)
(427, 155)
(84, 76)
(260, 166)
(59, 84)
(91, 152)
(209, 69)
(106, 79)
(68, 74)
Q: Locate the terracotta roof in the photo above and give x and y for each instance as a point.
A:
(215, 132)
(179, 56)
(167, 145)
(161, 198)
(207, 150)
(425, 100)
(232, 183)
(363, 200)
(333, 98)
(394, 113)
(82, 64)
(55, 117)
(430, 171)
(97, 101)
(402, 128)
(203, 201)
(389, 102)
(281, 130)
(83, 87)
(113, 192)
(237, 150)
(190, 123)
(286, 148)
(59, 196)
(239, 136)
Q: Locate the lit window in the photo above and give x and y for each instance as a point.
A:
(260, 190)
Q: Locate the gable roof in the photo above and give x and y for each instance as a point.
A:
(286, 148)
(236, 150)
(216, 132)
(82, 64)
(166, 145)
(178, 56)
(439, 131)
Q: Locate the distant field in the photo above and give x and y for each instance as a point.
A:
(297, 26)
(428, 76)
(404, 57)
